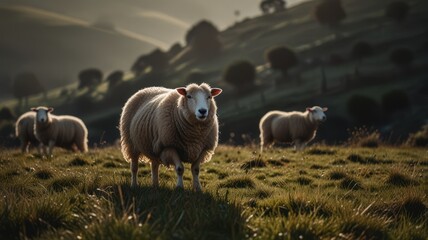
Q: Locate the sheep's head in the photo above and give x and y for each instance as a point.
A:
(42, 114)
(199, 100)
(316, 114)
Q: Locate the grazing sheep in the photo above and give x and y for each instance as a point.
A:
(170, 126)
(291, 127)
(24, 130)
(63, 131)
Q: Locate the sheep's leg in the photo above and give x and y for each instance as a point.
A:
(134, 170)
(195, 175)
(24, 146)
(51, 145)
(39, 149)
(299, 145)
(43, 148)
(170, 155)
(155, 173)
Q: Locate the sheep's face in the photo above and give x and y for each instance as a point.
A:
(317, 114)
(198, 100)
(42, 115)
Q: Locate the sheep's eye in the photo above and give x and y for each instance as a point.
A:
(189, 97)
(209, 97)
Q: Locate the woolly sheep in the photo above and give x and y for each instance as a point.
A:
(65, 131)
(170, 126)
(291, 127)
(24, 131)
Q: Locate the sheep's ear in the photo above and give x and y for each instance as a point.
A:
(309, 109)
(33, 109)
(324, 109)
(182, 91)
(50, 109)
(216, 91)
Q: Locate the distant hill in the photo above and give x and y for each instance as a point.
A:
(56, 52)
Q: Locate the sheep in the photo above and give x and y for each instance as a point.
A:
(65, 131)
(170, 126)
(291, 127)
(24, 131)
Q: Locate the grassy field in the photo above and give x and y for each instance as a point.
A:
(321, 193)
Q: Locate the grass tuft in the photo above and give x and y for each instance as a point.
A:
(238, 182)
(317, 151)
(255, 163)
(304, 180)
(336, 175)
(63, 183)
(397, 178)
(43, 174)
(78, 162)
(350, 183)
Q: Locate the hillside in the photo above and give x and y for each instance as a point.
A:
(318, 48)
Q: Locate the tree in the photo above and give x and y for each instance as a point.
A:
(402, 57)
(89, 78)
(397, 11)
(240, 74)
(330, 12)
(157, 60)
(282, 59)
(24, 85)
(114, 78)
(361, 50)
(174, 50)
(268, 6)
(203, 38)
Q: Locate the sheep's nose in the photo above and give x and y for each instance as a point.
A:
(202, 111)
(324, 118)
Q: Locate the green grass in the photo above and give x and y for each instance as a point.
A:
(320, 193)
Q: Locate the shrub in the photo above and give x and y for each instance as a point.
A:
(281, 58)
(401, 57)
(419, 138)
(157, 60)
(397, 10)
(174, 50)
(268, 6)
(89, 78)
(329, 12)
(26, 84)
(394, 101)
(364, 110)
(240, 74)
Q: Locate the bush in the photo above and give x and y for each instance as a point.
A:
(240, 74)
(394, 101)
(26, 84)
(157, 60)
(419, 138)
(401, 57)
(268, 6)
(397, 10)
(329, 12)
(89, 78)
(174, 50)
(364, 110)
(361, 50)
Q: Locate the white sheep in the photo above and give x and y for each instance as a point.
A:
(290, 127)
(65, 131)
(170, 126)
(24, 131)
